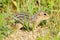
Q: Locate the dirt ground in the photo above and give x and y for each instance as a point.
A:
(31, 35)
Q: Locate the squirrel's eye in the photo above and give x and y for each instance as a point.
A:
(44, 14)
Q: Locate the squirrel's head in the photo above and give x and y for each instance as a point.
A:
(43, 15)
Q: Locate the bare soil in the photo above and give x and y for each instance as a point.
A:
(31, 35)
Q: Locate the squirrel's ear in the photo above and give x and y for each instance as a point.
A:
(39, 14)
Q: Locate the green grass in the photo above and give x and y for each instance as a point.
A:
(7, 9)
(4, 29)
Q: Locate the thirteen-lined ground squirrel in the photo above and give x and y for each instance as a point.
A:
(31, 20)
